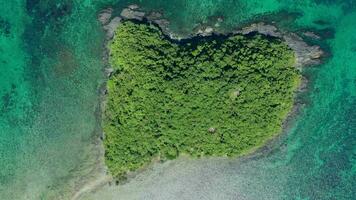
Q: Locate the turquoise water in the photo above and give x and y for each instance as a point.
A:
(51, 71)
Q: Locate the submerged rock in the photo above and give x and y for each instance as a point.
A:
(154, 16)
(303, 84)
(111, 27)
(105, 15)
(312, 35)
(132, 13)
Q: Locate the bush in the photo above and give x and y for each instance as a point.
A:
(210, 96)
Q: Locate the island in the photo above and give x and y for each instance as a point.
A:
(202, 96)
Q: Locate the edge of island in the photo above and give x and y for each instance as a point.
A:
(306, 55)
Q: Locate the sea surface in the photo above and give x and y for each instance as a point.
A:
(51, 71)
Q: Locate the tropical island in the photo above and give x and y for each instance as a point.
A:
(203, 96)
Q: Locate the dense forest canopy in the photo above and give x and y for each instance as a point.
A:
(210, 96)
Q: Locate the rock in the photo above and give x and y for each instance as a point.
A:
(133, 6)
(261, 28)
(128, 13)
(112, 26)
(104, 91)
(220, 19)
(162, 23)
(312, 35)
(212, 130)
(305, 54)
(236, 93)
(206, 31)
(303, 85)
(154, 16)
(105, 15)
(108, 71)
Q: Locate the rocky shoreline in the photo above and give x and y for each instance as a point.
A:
(305, 54)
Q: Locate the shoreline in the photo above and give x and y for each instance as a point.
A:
(306, 55)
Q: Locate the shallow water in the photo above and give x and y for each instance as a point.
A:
(51, 71)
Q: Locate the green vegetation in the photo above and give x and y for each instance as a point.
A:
(202, 97)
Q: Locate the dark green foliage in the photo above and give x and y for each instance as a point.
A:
(211, 97)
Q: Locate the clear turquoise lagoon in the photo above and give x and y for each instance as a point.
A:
(51, 71)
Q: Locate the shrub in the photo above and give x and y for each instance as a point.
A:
(166, 97)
